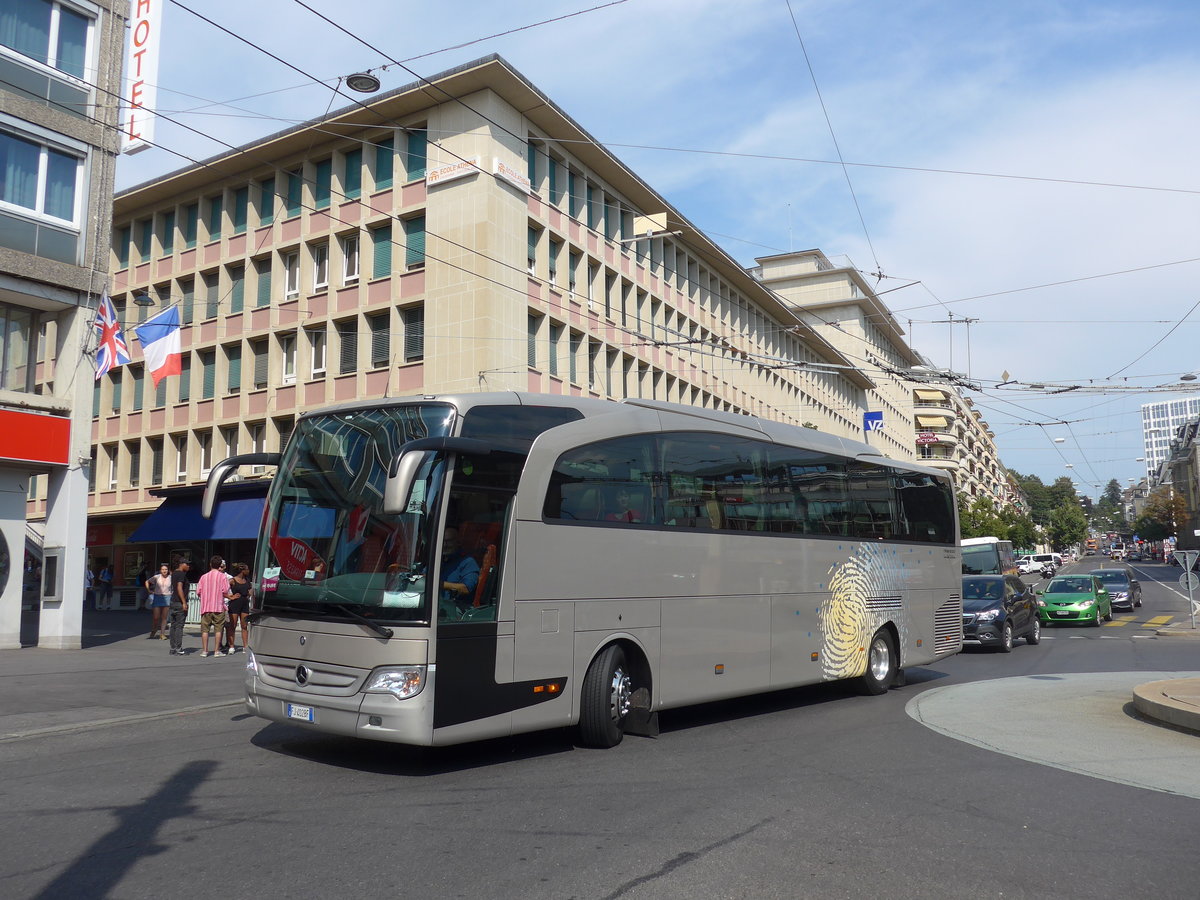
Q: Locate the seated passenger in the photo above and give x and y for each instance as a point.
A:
(626, 508)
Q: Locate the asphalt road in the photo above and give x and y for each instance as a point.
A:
(816, 792)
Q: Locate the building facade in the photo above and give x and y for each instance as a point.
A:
(1160, 421)
(463, 236)
(59, 78)
(836, 301)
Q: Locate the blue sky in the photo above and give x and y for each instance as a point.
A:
(1063, 92)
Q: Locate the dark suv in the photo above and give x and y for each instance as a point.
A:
(997, 609)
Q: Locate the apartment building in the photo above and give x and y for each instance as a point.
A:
(951, 434)
(1160, 422)
(836, 301)
(59, 74)
(461, 234)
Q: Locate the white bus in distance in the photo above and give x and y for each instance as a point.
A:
(444, 569)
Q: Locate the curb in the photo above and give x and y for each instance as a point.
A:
(1182, 633)
(121, 720)
(1159, 701)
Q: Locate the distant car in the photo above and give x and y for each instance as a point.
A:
(1074, 598)
(1124, 590)
(1134, 557)
(998, 609)
(1027, 565)
(1089, 552)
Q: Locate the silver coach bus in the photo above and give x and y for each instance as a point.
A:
(444, 569)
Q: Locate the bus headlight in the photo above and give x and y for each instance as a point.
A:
(401, 682)
(251, 663)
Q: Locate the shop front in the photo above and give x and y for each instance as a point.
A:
(177, 531)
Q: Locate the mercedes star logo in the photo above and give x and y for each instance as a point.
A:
(302, 674)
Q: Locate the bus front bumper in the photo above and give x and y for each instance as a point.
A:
(379, 717)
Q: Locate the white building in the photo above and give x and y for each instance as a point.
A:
(1159, 422)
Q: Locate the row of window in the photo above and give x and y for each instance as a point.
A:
(308, 187)
(714, 482)
(182, 457)
(51, 33)
(228, 290)
(200, 367)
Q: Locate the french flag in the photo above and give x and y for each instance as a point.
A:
(159, 338)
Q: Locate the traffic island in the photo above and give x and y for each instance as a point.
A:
(1175, 702)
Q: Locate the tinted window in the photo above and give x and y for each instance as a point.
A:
(714, 482)
(514, 427)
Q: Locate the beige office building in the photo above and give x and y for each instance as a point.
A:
(459, 235)
(837, 302)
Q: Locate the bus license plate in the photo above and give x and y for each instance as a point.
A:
(304, 713)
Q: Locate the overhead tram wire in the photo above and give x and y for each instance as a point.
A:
(833, 136)
(504, 128)
(1170, 331)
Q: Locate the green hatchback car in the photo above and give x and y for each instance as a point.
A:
(1074, 598)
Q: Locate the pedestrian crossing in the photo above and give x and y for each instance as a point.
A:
(1119, 621)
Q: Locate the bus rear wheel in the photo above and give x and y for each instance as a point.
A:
(881, 664)
(606, 699)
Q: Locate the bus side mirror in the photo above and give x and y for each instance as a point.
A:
(224, 469)
(400, 481)
(404, 468)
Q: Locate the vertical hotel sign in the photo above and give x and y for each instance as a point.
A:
(140, 93)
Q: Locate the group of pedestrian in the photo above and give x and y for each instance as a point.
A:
(224, 605)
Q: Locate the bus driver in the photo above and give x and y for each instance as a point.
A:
(460, 571)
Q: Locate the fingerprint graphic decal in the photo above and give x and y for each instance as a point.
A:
(851, 613)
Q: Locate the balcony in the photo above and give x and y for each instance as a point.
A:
(933, 403)
(941, 437)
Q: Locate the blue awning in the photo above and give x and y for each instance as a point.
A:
(179, 519)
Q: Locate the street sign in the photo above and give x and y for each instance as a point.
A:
(1189, 581)
(873, 421)
(1186, 558)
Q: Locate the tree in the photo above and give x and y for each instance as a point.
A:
(1067, 526)
(1019, 528)
(979, 519)
(1159, 518)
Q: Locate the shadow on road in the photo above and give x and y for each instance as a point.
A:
(98, 868)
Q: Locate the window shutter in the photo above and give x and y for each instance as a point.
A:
(552, 170)
(381, 350)
(348, 338)
(215, 209)
(414, 334)
(156, 461)
(95, 399)
(285, 427)
(241, 204)
(262, 268)
(191, 219)
(185, 379)
(124, 235)
(116, 390)
(415, 162)
(211, 295)
(234, 355)
(352, 183)
(208, 360)
(531, 161)
(324, 182)
(381, 240)
(188, 310)
(160, 393)
(138, 376)
(414, 238)
(237, 292)
(168, 233)
(266, 202)
(531, 343)
(383, 163)
(295, 187)
(260, 364)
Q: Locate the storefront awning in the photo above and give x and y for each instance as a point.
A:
(932, 421)
(179, 519)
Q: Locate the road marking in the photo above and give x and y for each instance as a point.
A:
(1157, 622)
(1116, 622)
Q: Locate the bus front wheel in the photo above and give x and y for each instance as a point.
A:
(881, 664)
(606, 699)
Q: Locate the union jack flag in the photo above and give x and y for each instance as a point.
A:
(111, 349)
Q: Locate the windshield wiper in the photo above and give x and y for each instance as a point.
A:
(381, 630)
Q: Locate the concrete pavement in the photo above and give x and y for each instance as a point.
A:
(118, 676)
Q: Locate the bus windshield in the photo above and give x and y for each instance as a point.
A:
(327, 546)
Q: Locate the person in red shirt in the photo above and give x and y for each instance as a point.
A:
(213, 591)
